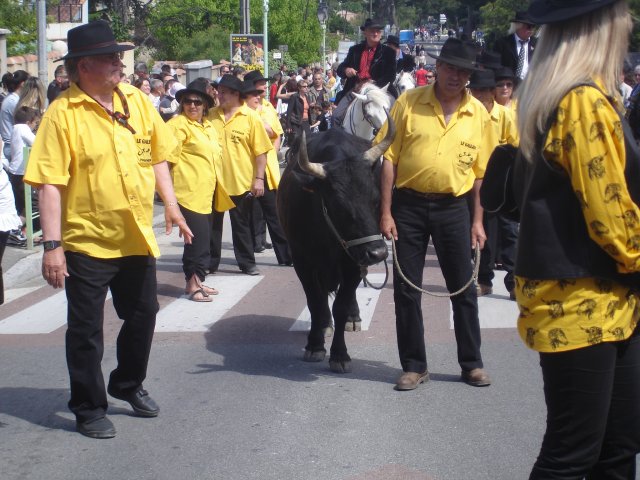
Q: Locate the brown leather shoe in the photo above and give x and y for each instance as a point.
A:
(410, 380)
(476, 377)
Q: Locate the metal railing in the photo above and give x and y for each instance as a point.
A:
(30, 213)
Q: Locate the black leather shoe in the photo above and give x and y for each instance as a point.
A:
(258, 249)
(100, 427)
(139, 400)
(251, 270)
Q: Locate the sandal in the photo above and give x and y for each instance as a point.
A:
(204, 296)
(209, 290)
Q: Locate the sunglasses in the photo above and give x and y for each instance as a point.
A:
(110, 57)
(192, 101)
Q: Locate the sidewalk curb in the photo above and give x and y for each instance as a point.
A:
(23, 270)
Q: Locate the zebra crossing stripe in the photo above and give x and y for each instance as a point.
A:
(367, 298)
(184, 315)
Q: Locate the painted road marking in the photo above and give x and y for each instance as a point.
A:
(367, 298)
(45, 316)
(496, 310)
(183, 315)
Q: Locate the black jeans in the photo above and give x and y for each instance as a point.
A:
(593, 412)
(447, 222)
(133, 285)
(502, 237)
(241, 218)
(195, 258)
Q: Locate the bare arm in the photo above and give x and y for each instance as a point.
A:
(477, 230)
(257, 188)
(54, 263)
(387, 180)
(172, 214)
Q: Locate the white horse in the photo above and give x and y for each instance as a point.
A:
(404, 81)
(368, 111)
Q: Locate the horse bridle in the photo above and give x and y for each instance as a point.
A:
(365, 117)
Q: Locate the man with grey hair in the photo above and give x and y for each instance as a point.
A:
(516, 49)
(156, 93)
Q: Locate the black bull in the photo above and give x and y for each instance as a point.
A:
(340, 173)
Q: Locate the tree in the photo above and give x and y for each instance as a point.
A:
(20, 19)
(496, 17)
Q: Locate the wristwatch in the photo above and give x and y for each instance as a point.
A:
(51, 245)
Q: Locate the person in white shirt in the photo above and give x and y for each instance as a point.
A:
(26, 122)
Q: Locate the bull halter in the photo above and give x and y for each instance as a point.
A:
(346, 244)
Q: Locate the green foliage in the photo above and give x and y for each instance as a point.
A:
(176, 24)
(496, 16)
(287, 60)
(20, 18)
(293, 23)
(212, 44)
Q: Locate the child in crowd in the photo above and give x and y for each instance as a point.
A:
(316, 114)
(26, 122)
(326, 118)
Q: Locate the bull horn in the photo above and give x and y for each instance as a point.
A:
(313, 169)
(373, 154)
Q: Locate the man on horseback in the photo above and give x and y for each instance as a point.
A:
(368, 60)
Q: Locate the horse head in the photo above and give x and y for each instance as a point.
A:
(368, 111)
(404, 81)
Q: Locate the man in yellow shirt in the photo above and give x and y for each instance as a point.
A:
(501, 230)
(99, 153)
(436, 161)
(245, 145)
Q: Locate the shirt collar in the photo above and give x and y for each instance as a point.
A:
(428, 97)
(77, 95)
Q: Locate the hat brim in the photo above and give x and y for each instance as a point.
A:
(186, 91)
(374, 26)
(458, 62)
(115, 48)
(543, 11)
(481, 85)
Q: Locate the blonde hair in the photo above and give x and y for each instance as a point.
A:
(582, 49)
(32, 95)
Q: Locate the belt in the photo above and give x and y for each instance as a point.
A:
(426, 196)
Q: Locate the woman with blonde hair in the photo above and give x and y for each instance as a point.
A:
(579, 243)
(33, 95)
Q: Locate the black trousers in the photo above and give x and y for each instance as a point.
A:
(593, 412)
(3, 244)
(502, 237)
(195, 257)
(241, 231)
(133, 285)
(447, 222)
(17, 185)
(258, 227)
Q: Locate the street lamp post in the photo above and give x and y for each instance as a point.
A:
(323, 16)
(265, 30)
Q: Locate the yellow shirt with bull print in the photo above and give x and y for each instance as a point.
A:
(437, 157)
(566, 314)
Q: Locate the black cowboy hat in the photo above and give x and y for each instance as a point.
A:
(375, 24)
(249, 87)
(523, 16)
(231, 82)
(198, 87)
(505, 72)
(93, 38)
(458, 53)
(482, 79)
(394, 40)
(490, 60)
(255, 76)
(552, 11)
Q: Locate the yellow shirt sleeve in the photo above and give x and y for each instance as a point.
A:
(587, 141)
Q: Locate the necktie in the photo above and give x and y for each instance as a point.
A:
(521, 55)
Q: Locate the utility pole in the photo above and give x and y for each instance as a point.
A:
(245, 19)
(41, 16)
